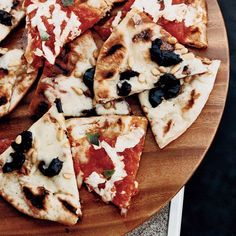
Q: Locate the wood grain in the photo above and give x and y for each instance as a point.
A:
(161, 174)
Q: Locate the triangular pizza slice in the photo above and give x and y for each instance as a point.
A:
(174, 104)
(136, 54)
(36, 172)
(71, 80)
(11, 13)
(16, 77)
(53, 23)
(106, 152)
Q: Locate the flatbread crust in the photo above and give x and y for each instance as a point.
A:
(173, 117)
(106, 151)
(15, 11)
(129, 49)
(16, 77)
(30, 191)
(65, 81)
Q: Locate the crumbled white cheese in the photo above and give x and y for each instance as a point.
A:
(11, 59)
(6, 5)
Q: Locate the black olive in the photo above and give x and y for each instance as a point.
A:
(58, 105)
(53, 169)
(163, 57)
(124, 89)
(126, 75)
(26, 142)
(5, 18)
(15, 4)
(156, 96)
(18, 160)
(170, 85)
(88, 79)
(41, 109)
(91, 112)
(3, 100)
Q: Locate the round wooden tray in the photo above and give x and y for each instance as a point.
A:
(162, 173)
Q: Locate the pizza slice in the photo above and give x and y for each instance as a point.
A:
(53, 23)
(16, 77)
(11, 13)
(135, 56)
(106, 152)
(71, 80)
(174, 104)
(186, 20)
(36, 171)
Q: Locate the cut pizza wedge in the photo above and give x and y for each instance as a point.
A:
(71, 80)
(53, 23)
(16, 77)
(11, 13)
(175, 104)
(36, 172)
(106, 152)
(136, 54)
(186, 20)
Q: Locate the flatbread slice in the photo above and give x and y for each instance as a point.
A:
(106, 152)
(186, 20)
(16, 77)
(54, 23)
(136, 54)
(36, 172)
(173, 106)
(11, 13)
(71, 80)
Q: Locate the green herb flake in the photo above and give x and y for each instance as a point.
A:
(93, 138)
(44, 35)
(108, 173)
(67, 3)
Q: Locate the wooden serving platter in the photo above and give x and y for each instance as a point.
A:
(162, 172)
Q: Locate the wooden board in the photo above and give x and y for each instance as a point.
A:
(161, 174)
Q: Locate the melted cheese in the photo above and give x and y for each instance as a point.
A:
(11, 60)
(6, 5)
(56, 18)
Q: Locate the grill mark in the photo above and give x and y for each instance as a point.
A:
(193, 97)
(68, 206)
(167, 127)
(113, 49)
(144, 36)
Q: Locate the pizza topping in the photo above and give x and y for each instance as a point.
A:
(163, 57)
(88, 79)
(53, 169)
(93, 138)
(124, 89)
(108, 173)
(25, 143)
(59, 105)
(37, 200)
(11, 60)
(17, 162)
(126, 75)
(166, 88)
(5, 18)
(67, 3)
(3, 100)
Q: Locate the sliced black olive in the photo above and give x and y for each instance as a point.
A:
(18, 160)
(88, 79)
(163, 57)
(3, 100)
(58, 105)
(26, 142)
(53, 169)
(170, 85)
(124, 89)
(126, 75)
(5, 18)
(156, 96)
(91, 112)
(15, 4)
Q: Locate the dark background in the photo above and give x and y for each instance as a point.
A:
(210, 196)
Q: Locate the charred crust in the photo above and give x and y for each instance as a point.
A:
(193, 97)
(68, 206)
(3, 100)
(167, 127)
(143, 36)
(113, 49)
(36, 200)
(109, 75)
(3, 71)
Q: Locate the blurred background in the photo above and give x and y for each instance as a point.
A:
(210, 195)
